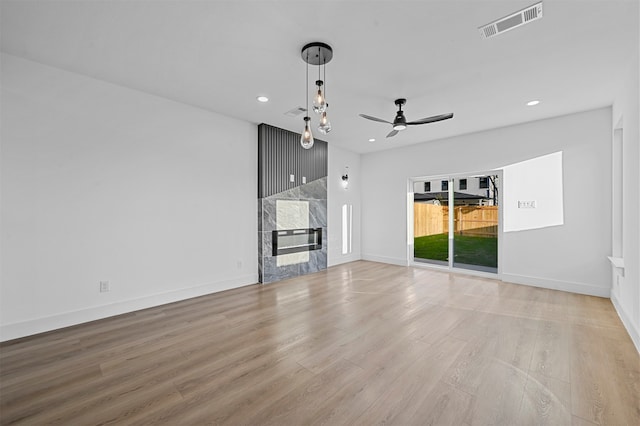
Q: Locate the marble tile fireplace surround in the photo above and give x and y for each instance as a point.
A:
(292, 205)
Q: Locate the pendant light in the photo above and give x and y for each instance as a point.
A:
(325, 126)
(319, 54)
(306, 138)
(319, 103)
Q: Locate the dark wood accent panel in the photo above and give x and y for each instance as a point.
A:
(281, 155)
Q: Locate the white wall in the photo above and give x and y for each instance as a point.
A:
(538, 180)
(337, 196)
(100, 182)
(625, 294)
(571, 257)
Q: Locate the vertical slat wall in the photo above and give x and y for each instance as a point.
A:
(280, 155)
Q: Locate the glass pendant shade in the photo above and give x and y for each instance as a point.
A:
(325, 125)
(319, 103)
(306, 138)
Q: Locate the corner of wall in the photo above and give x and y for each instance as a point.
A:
(633, 331)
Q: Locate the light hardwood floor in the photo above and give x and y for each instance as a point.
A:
(362, 343)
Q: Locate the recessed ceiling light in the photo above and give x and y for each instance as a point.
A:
(372, 140)
(262, 99)
(532, 103)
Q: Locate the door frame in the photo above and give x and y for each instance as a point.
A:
(450, 177)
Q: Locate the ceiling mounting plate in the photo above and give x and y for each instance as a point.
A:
(317, 53)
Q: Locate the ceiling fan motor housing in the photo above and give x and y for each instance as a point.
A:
(400, 123)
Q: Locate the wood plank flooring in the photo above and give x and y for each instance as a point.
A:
(359, 344)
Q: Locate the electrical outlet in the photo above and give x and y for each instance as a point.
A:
(104, 286)
(527, 204)
(239, 264)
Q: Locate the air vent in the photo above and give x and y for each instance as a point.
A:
(512, 21)
(295, 112)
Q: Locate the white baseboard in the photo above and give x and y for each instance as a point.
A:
(384, 259)
(633, 331)
(569, 286)
(572, 287)
(339, 260)
(67, 319)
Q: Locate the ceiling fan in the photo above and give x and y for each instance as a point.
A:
(400, 123)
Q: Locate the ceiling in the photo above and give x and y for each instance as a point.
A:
(220, 55)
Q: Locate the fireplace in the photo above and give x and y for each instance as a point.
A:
(292, 205)
(296, 240)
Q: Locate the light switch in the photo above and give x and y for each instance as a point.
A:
(530, 204)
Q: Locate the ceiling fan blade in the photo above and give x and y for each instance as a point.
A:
(392, 133)
(368, 117)
(431, 119)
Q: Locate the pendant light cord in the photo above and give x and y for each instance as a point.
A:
(324, 74)
(319, 58)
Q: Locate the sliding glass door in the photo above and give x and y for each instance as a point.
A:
(456, 221)
(430, 224)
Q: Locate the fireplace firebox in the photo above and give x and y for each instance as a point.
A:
(296, 240)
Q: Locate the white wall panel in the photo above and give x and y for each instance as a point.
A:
(100, 182)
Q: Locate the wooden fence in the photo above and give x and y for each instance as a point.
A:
(429, 219)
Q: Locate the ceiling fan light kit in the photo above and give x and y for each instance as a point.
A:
(400, 122)
(316, 53)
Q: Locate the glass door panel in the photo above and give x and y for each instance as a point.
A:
(475, 223)
(431, 239)
(430, 224)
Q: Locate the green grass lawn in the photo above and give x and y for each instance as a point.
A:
(471, 250)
